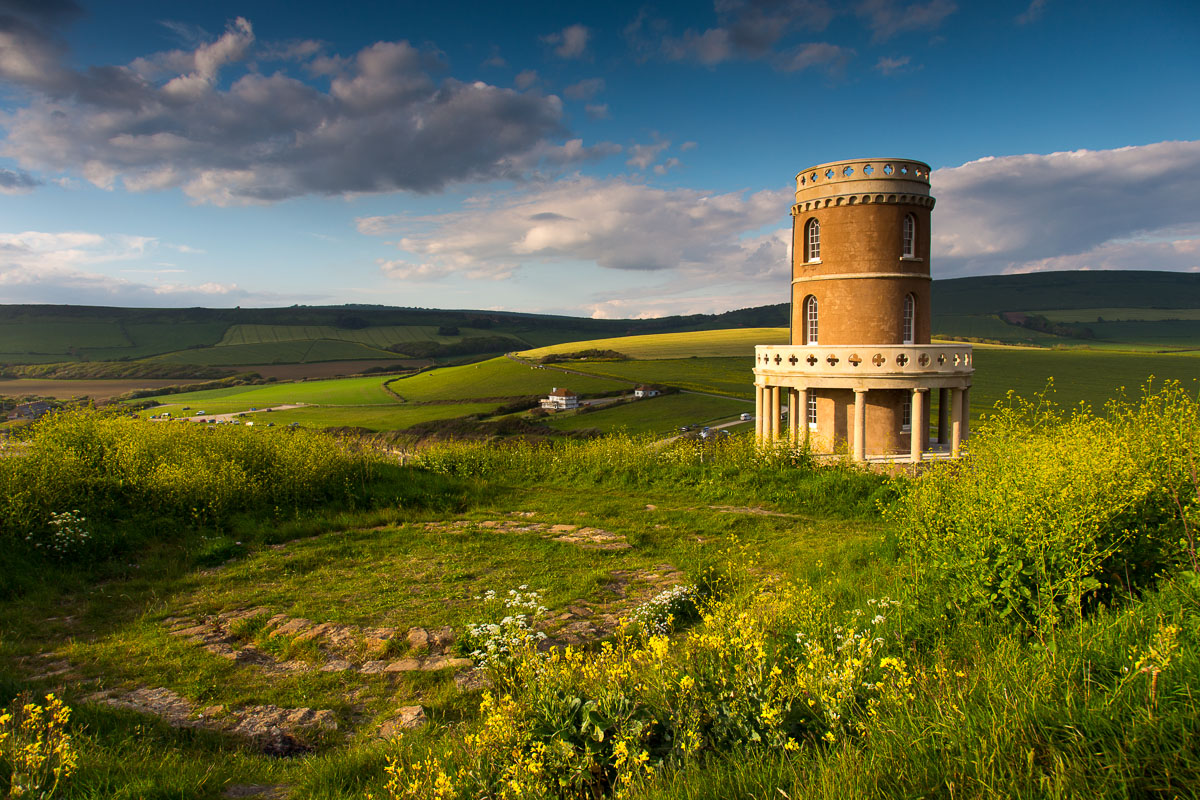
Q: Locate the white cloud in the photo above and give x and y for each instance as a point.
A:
(204, 120)
(1128, 208)
(570, 42)
(886, 18)
(698, 238)
(17, 181)
(888, 66)
(63, 267)
(641, 156)
(1032, 13)
(596, 111)
(585, 89)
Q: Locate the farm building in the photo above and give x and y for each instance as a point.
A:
(560, 399)
(860, 369)
(646, 391)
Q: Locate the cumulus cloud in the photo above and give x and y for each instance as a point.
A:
(888, 66)
(760, 29)
(699, 238)
(207, 121)
(641, 156)
(1128, 208)
(63, 267)
(570, 42)
(887, 18)
(585, 89)
(16, 181)
(1032, 13)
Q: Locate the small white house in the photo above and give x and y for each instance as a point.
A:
(560, 400)
(646, 391)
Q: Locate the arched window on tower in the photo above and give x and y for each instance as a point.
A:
(910, 318)
(812, 240)
(810, 320)
(910, 237)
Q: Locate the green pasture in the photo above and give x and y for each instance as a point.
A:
(1090, 315)
(658, 415)
(336, 391)
(287, 352)
(727, 376)
(990, 326)
(46, 340)
(380, 337)
(375, 418)
(497, 377)
(731, 342)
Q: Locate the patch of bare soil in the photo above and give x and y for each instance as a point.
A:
(585, 537)
(762, 512)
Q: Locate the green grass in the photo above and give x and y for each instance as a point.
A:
(497, 377)
(49, 340)
(379, 337)
(1090, 315)
(733, 342)
(731, 376)
(283, 352)
(657, 415)
(336, 391)
(990, 326)
(387, 418)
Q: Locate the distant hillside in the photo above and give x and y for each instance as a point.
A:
(1115, 310)
(1040, 291)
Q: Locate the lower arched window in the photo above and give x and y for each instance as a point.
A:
(810, 320)
(812, 410)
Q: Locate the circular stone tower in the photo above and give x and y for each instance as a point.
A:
(860, 369)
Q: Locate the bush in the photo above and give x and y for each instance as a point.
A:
(1049, 512)
(85, 464)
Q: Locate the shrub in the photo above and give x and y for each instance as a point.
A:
(1049, 511)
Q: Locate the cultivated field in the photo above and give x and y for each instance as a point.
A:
(66, 390)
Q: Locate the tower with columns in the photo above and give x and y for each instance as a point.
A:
(860, 370)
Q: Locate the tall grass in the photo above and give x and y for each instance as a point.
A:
(728, 470)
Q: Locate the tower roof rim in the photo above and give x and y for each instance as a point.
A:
(848, 161)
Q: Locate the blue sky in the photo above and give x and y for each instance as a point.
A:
(596, 159)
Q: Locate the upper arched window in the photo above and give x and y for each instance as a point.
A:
(812, 240)
(810, 320)
(909, 244)
(910, 318)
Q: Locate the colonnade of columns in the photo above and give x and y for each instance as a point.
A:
(953, 415)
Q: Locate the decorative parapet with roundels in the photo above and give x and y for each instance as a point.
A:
(863, 181)
(863, 365)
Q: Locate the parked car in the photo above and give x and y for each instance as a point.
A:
(745, 416)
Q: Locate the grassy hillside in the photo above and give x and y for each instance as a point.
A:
(498, 377)
(1104, 310)
(699, 344)
(657, 415)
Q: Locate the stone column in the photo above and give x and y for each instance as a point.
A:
(920, 424)
(794, 416)
(775, 414)
(758, 412)
(943, 415)
(802, 414)
(860, 424)
(966, 412)
(956, 397)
